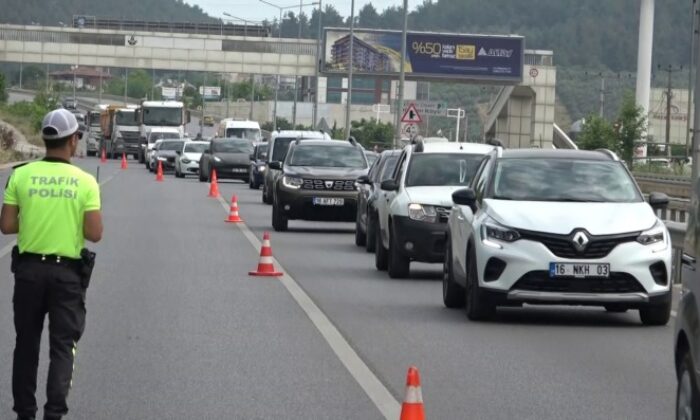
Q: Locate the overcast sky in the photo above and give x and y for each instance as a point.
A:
(254, 10)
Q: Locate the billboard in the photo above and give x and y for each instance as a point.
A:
(210, 93)
(483, 58)
(171, 93)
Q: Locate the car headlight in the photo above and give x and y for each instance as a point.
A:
(261, 168)
(185, 160)
(217, 159)
(654, 235)
(292, 182)
(422, 212)
(493, 231)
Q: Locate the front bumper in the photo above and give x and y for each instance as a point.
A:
(167, 164)
(224, 170)
(298, 204)
(189, 168)
(525, 277)
(420, 241)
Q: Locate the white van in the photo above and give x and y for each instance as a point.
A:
(240, 129)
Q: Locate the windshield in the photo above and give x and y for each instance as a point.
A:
(262, 152)
(563, 180)
(232, 146)
(162, 116)
(126, 118)
(279, 152)
(244, 133)
(162, 136)
(171, 145)
(442, 169)
(328, 156)
(94, 119)
(196, 148)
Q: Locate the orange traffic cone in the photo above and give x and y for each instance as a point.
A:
(103, 156)
(233, 216)
(265, 267)
(159, 172)
(125, 165)
(412, 408)
(213, 185)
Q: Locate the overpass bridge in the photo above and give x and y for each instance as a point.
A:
(521, 116)
(157, 50)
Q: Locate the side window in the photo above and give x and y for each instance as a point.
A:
(482, 177)
(375, 169)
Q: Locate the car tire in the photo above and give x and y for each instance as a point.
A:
(201, 176)
(371, 241)
(656, 314)
(251, 183)
(135, 156)
(399, 266)
(687, 399)
(453, 294)
(381, 257)
(476, 305)
(141, 158)
(267, 197)
(280, 223)
(360, 236)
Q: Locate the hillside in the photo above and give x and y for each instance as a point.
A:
(51, 12)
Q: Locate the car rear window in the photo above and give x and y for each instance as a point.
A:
(442, 169)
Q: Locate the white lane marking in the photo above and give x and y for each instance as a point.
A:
(8, 248)
(373, 387)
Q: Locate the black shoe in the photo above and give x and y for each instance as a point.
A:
(25, 418)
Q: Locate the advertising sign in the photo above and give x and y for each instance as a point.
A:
(210, 93)
(170, 93)
(484, 58)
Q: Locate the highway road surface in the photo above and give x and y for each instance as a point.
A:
(177, 329)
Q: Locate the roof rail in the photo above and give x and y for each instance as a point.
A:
(352, 141)
(608, 152)
(495, 142)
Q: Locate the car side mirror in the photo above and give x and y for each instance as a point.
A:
(275, 165)
(390, 185)
(658, 201)
(364, 179)
(465, 197)
(178, 152)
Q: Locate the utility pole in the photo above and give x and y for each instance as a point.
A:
(602, 96)
(351, 65)
(669, 97)
(696, 117)
(252, 96)
(319, 54)
(402, 75)
(694, 17)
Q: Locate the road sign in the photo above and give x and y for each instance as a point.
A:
(534, 72)
(411, 115)
(429, 108)
(410, 130)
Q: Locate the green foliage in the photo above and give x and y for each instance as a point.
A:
(139, 84)
(282, 124)
(629, 127)
(3, 93)
(373, 132)
(33, 112)
(597, 133)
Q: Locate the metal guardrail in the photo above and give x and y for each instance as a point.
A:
(677, 231)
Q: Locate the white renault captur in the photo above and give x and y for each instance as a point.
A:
(413, 206)
(557, 227)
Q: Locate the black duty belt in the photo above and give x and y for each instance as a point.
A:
(49, 259)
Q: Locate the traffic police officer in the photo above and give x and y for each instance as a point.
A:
(53, 207)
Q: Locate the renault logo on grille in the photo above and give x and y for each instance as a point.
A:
(329, 184)
(580, 241)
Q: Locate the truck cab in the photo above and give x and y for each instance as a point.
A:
(125, 131)
(240, 129)
(159, 115)
(94, 130)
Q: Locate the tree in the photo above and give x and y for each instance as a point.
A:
(368, 17)
(371, 133)
(3, 94)
(631, 124)
(597, 133)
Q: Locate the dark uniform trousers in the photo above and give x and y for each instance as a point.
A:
(43, 287)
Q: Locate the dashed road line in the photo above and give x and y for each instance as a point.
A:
(368, 381)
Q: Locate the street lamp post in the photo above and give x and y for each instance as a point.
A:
(351, 65)
(402, 75)
(279, 38)
(74, 68)
(318, 62)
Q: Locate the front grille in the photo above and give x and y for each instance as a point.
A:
(563, 245)
(443, 213)
(130, 137)
(329, 185)
(171, 160)
(539, 281)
